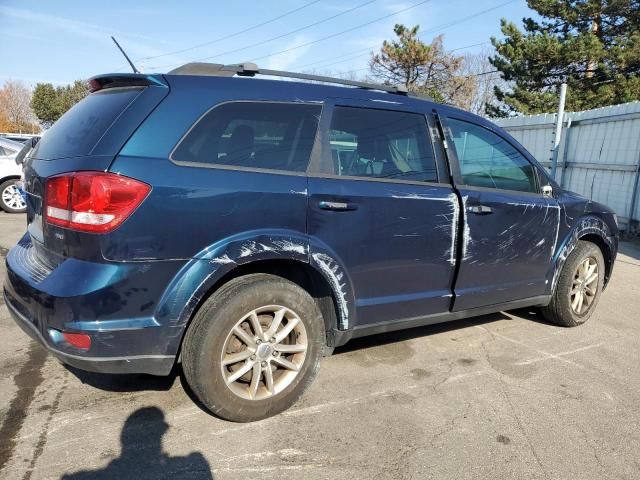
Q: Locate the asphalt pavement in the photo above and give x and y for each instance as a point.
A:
(504, 396)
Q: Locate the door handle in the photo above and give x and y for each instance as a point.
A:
(480, 209)
(337, 206)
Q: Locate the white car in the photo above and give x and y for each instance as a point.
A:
(11, 199)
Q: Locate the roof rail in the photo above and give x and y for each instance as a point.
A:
(251, 70)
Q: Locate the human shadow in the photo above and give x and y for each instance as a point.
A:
(142, 456)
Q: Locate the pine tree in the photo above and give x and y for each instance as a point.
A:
(592, 45)
(425, 68)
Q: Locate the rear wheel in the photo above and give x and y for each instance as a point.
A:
(253, 347)
(579, 287)
(11, 199)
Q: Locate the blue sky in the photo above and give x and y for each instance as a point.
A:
(59, 41)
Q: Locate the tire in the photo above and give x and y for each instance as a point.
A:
(562, 308)
(212, 337)
(8, 199)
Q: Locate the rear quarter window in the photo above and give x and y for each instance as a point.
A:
(258, 135)
(78, 131)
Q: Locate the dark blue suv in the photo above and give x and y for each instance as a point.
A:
(244, 226)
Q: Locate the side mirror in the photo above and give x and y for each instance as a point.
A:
(547, 191)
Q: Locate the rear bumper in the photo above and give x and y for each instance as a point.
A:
(151, 364)
(113, 303)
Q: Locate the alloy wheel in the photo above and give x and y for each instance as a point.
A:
(264, 352)
(12, 198)
(585, 286)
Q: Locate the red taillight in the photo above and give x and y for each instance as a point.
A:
(94, 202)
(78, 340)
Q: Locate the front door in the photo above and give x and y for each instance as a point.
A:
(377, 204)
(509, 229)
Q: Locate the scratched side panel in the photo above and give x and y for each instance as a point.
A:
(506, 254)
(396, 246)
(191, 208)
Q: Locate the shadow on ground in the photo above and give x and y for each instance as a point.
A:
(630, 248)
(142, 382)
(126, 382)
(417, 332)
(142, 456)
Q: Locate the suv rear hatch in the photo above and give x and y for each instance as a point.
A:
(86, 138)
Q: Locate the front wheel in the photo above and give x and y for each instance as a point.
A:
(253, 347)
(579, 287)
(11, 200)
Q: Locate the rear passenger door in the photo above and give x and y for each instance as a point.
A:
(509, 227)
(385, 209)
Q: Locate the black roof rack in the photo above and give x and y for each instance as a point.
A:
(251, 70)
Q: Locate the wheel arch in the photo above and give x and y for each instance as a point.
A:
(606, 251)
(302, 274)
(280, 253)
(9, 177)
(590, 228)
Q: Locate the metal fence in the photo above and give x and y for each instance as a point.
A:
(598, 156)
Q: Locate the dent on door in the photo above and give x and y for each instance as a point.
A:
(505, 255)
(509, 227)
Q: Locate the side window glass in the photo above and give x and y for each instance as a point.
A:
(2, 152)
(381, 144)
(277, 136)
(486, 160)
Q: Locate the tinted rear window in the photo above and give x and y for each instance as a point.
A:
(274, 136)
(78, 131)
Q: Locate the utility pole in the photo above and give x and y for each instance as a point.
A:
(596, 29)
(558, 136)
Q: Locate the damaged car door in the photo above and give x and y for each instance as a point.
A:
(509, 221)
(384, 212)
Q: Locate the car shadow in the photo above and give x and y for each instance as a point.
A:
(630, 248)
(134, 382)
(142, 456)
(126, 382)
(533, 315)
(427, 330)
(143, 382)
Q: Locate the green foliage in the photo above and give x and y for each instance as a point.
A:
(69, 95)
(49, 103)
(425, 68)
(592, 45)
(402, 61)
(44, 103)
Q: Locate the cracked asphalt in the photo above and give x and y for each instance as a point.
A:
(499, 396)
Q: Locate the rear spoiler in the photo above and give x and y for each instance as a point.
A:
(115, 80)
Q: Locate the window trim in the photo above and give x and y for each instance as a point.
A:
(221, 166)
(376, 179)
(322, 157)
(452, 155)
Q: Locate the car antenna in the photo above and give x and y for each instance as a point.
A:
(133, 67)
